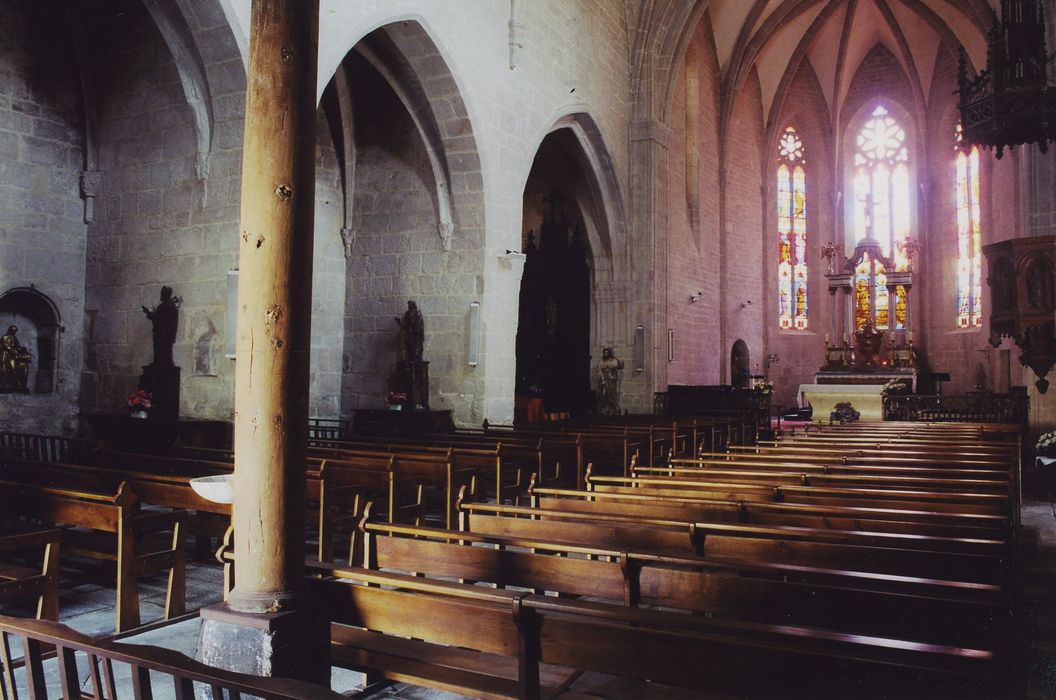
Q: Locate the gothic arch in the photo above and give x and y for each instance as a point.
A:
(845, 162)
(599, 196)
(404, 52)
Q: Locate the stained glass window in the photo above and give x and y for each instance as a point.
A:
(969, 239)
(882, 209)
(792, 232)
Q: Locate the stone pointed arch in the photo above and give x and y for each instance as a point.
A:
(404, 52)
(600, 198)
(177, 34)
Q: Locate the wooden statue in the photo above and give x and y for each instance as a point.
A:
(14, 363)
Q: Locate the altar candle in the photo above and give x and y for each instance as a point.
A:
(826, 338)
(845, 336)
(909, 336)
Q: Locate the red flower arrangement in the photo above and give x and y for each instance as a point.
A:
(396, 397)
(139, 399)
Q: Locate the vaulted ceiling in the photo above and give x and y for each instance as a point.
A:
(835, 36)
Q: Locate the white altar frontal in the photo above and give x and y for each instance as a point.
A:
(867, 399)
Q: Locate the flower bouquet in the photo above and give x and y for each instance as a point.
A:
(894, 386)
(396, 400)
(139, 402)
(1046, 445)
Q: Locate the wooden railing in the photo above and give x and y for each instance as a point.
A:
(44, 448)
(323, 430)
(976, 408)
(151, 668)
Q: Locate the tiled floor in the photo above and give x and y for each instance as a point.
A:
(87, 605)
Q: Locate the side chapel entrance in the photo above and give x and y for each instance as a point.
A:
(553, 333)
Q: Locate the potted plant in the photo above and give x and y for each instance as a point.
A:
(139, 402)
(396, 400)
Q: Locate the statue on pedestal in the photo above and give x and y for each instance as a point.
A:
(14, 363)
(413, 327)
(165, 317)
(413, 370)
(609, 383)
(161, 378)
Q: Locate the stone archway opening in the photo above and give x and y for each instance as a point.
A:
(555, 347)
(740, 365)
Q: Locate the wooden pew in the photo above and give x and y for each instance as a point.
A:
(530, 646)
(177, 670)
(21, 582)
(902, 520)
(205, 519)
(346, 486)
(112, 527)
(980, 561)
(937, 611)
(805, 492)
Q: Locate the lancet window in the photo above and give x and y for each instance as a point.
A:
(791, 232)
(969, 238)
(882, 214)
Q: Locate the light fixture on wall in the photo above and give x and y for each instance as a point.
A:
(639, 349)
(473, 354)
(694, 298)
(1010, 102)
(231, 314)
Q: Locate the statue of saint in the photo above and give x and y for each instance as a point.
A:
(413, 328)
(165, 317)
(14, 362)
(609, 383)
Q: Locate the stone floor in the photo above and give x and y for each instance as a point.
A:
(87, 605)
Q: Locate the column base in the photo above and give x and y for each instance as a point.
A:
(288, 644)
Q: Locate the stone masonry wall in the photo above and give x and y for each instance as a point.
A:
(570, 56)
(693, 250)
(745, 271)
(158, 223)
(42, 231)
(398, 256)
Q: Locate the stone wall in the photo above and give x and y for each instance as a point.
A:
(159, 223)
(398, 255)
(693, 217)
(42, 228)
(746, 265)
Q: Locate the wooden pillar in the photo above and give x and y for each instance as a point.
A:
(268, 625)
(274, 305)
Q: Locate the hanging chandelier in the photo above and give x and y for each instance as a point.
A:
(1011, 102)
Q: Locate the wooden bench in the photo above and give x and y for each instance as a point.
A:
(498, 643)
(981, 561)
(869, 497)
(112, 527)
(346, 486)
(178, 671)
(937, 611)
(21, 582)
(808, 515)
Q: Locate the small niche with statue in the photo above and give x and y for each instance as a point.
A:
(29, 334)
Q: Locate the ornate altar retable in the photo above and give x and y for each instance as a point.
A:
(870, 293)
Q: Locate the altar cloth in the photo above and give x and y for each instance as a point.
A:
(867, 399)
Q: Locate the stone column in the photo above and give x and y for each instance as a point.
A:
(265, 627)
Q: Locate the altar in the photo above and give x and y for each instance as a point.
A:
(867, 399)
